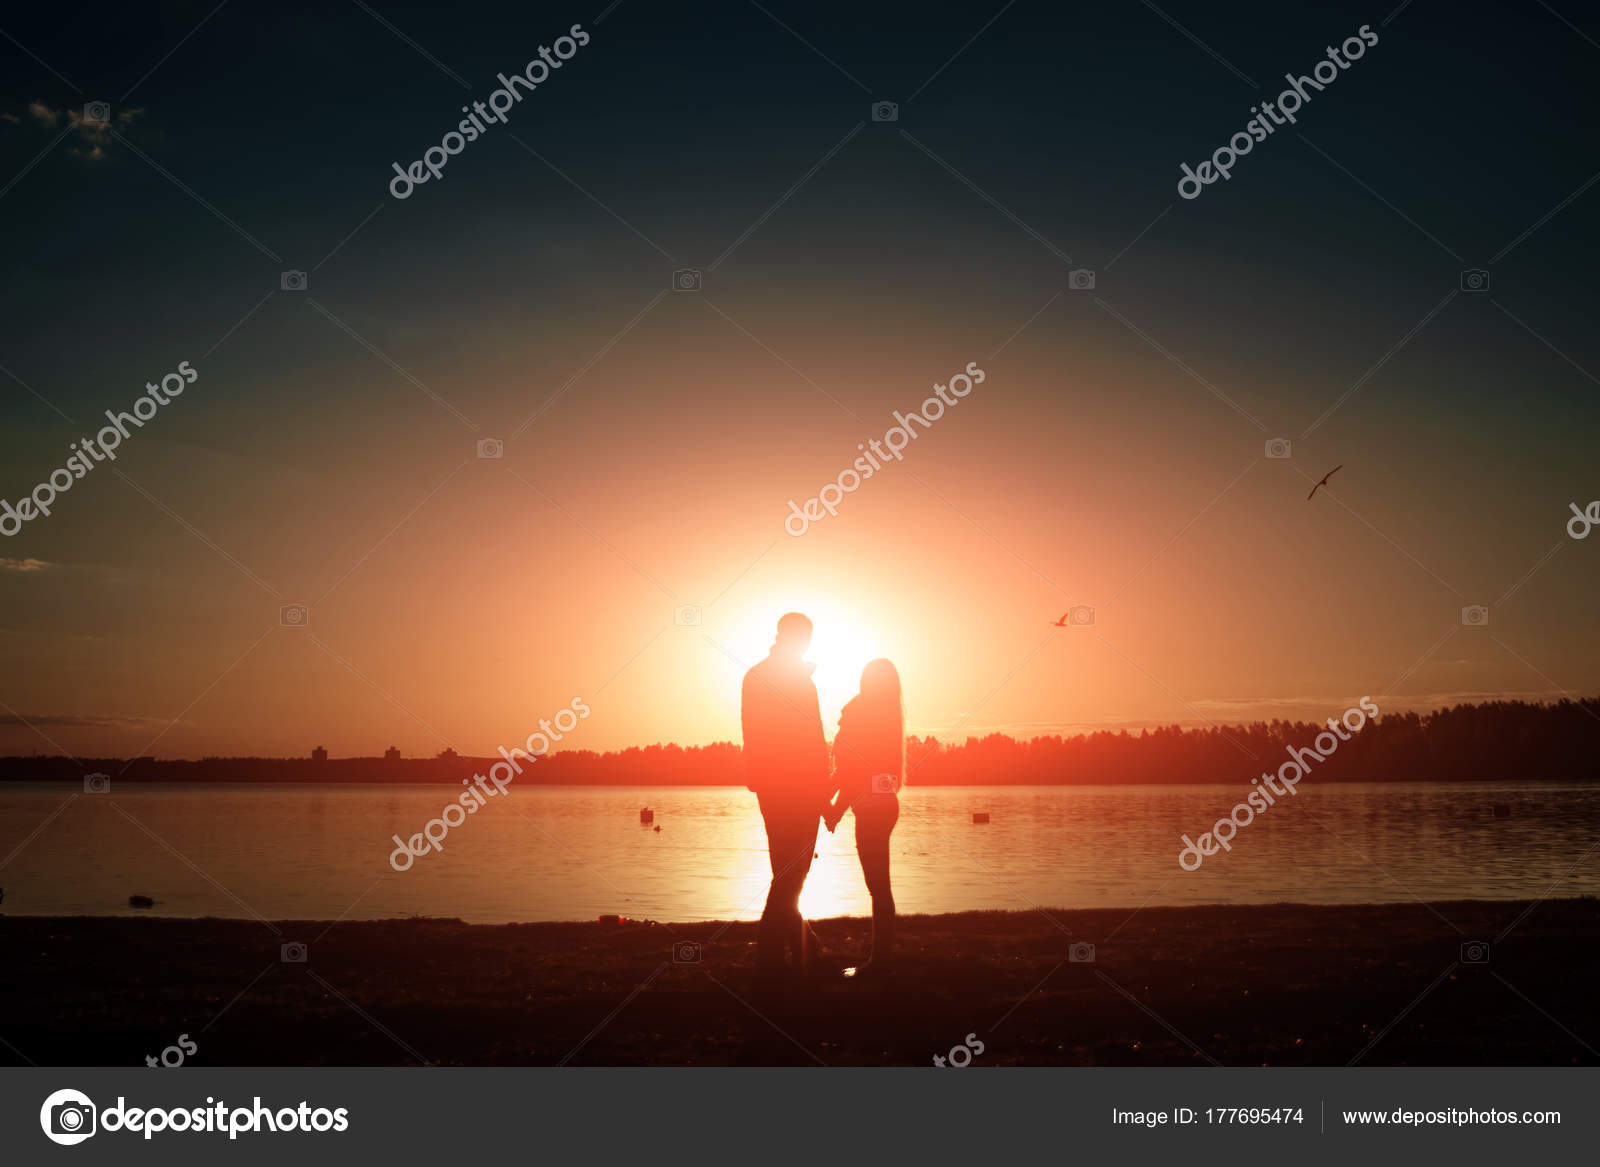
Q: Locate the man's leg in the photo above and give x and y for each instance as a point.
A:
(804, 822)
(791, 839)
(769, 933)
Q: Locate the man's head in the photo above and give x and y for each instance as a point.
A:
(794, 636)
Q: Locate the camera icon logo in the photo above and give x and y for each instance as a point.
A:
(686, 952)
(686, 615)
(1474, 279)
(293, 953)
(97, 113)
(1080, 616)
(1278, 447)
(885, 111)
(885, 784)
(292, 281)
(686, 279)
(68, 1117)
(293, 615)
(1475, 616)
(491, 448)
(1080, 279)
(1081, 953)
(97, 783)
(1475, 952)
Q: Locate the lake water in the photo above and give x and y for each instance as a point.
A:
(567, 853)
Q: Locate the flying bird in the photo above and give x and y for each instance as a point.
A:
(1325, 478)
(1061, 623)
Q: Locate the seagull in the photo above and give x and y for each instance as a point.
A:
(1061, 623)
(1325, 478)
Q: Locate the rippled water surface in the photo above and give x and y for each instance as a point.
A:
(563, 853)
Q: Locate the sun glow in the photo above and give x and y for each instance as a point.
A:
(841, 645)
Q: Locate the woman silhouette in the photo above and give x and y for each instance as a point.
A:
(869, 758)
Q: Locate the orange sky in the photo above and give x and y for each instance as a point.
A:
(1113, 457)
(470, 597)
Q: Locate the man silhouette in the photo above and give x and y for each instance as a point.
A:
(786, 764)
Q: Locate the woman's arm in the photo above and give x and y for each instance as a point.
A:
(845, 774)
(836, 809)
(831, 807)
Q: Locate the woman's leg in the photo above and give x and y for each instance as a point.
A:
(872, 845)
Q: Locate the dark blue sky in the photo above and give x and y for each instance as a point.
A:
(688, 121)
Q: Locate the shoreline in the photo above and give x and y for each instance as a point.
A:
(1280, 984)
(129, 913)
(75, 783)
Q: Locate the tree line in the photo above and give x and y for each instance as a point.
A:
(1469, 742)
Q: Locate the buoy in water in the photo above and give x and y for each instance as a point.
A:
(1500, 810)
(647, 815)
(980, 816)
(141, 902)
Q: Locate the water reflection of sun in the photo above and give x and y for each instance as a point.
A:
(833, 888)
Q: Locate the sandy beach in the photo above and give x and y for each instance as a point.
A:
(1459, 983)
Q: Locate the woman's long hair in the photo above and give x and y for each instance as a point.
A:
(882, 707)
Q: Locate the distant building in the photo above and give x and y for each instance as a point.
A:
(447, 754)
(319, 755)
(392, 754)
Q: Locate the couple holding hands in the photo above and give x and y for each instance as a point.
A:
(798, 784)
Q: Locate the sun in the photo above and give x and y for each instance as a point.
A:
(842, 642)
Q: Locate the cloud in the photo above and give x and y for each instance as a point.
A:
(24, 564)
(1246, 710)
(93, 135)
(1320, 708)
(81, 721)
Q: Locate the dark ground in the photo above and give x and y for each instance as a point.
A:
(1276, 985)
